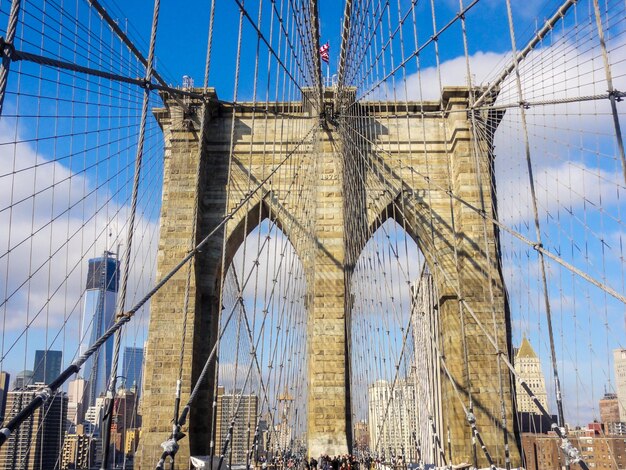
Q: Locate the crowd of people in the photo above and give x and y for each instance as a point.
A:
(337, 462)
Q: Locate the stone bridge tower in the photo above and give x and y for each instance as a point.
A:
(423, 151)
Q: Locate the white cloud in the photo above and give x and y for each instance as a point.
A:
(563, 186)
(52, 220)
(453, 73)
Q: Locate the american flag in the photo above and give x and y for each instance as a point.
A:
(324, 52)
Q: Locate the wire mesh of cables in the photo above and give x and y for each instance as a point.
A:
(544, 106)
(84, 168)
(532, 252)
(70, 142)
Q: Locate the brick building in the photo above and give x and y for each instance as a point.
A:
(541, 451)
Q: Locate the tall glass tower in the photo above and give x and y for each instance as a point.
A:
(133, 367)
(47, 365)
(98, 316)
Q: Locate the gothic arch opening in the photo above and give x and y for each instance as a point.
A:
(261, 384)
(240, 230)
(393, 334)
(468, 299)
(418, 222)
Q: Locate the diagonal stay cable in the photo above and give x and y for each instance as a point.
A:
(96, 5)
(547, 27)
(131, 46)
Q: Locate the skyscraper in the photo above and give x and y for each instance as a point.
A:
(391, 414)
(98, 316)
(425, 372)
(241, 441)
(23, 379)
(528, 366)
(4, 390)
(36, 444)
(133, 363)
(76, 396)
(619, 364)
(47, 366)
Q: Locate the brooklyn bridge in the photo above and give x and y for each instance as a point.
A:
(281, 233)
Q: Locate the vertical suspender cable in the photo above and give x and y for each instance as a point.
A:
(108, 414)
(192, 240)
(315, 31)
(531, 182)
(611, 89)
(341, 72)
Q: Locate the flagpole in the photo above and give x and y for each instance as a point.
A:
(328, 74)
(323, 51)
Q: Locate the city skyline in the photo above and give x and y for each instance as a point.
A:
(38, 441)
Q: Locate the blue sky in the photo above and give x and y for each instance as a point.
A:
(181, 44)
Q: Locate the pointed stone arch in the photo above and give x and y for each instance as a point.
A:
(461, 253)
(410, 177)
(390, 234)
(247, 221)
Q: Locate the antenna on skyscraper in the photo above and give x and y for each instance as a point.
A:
(112, 241)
